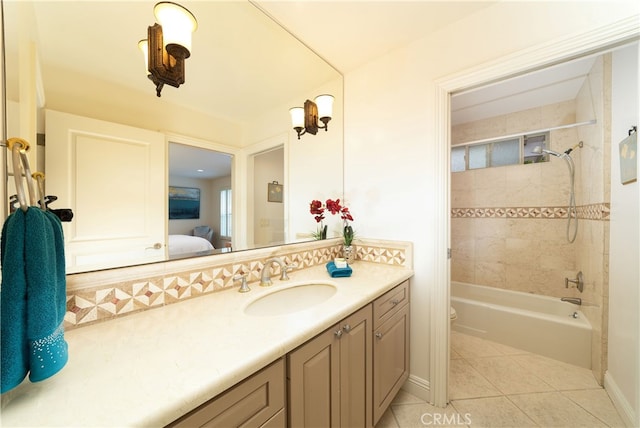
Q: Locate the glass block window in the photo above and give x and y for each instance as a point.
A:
(478, 156)
(514, 150)
(458, 159)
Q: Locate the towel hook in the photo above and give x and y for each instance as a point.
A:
(39, 177)
(19, 148)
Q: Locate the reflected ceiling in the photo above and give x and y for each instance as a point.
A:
(214, 85)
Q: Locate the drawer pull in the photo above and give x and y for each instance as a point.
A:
(378, 335)
(395, 302)
(346, 328)
(338, 333)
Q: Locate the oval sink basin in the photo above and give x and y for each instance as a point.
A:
(291, 299)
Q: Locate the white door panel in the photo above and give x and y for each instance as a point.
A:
(113, 178)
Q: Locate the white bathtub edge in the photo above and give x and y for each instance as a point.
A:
(625, 410)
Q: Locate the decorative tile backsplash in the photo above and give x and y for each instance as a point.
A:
(105, 295)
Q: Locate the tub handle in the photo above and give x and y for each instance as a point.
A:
(579, 281)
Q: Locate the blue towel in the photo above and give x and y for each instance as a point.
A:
(33, 297)
(337, 272)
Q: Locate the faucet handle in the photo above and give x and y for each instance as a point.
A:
(285, 269)
(244, 287)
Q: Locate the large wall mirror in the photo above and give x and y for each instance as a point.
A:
(109, 147)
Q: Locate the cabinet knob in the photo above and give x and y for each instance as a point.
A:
(346, 328)
(395, 302)
(338, 333)
(378, 335)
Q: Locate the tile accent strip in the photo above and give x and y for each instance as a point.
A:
(599, 211)
(87, 305)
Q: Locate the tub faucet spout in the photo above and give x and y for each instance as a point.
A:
(574, 300)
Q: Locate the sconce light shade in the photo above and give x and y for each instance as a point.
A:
(305, 120)
(325, 106)
(297, 118)
(168, 45)
(143, 45)
(177, 25)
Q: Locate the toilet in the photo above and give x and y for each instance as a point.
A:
(453, 315)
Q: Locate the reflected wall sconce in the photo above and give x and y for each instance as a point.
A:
(308, 119)
(168, 44)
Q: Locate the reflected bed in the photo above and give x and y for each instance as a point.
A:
(187, 244)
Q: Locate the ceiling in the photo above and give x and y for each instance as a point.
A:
(236, 90)
(194, 162)
(361, 31)
(548, 86)
(347, 34)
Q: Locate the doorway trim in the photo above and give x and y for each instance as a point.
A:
(548, 54)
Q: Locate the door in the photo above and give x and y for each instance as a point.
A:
(119, 218)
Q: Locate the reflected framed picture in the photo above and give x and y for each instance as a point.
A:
(184, 203)
(274, 192)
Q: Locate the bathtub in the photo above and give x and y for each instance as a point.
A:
(539, 324)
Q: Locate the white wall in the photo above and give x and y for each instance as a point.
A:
(391, 122)
(624, 255)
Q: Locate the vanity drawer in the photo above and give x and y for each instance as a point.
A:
(257, 401)
(385, 306)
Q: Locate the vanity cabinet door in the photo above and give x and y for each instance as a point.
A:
(356, 369)
(390, 360)
(390, 346)
(257, 401)
(314, 381)
(330, 376)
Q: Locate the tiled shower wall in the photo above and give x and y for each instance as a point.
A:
(508, 225)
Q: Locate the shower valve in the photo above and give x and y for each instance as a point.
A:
(579, 282)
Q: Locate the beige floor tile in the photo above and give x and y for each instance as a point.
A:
(470, 346)
(403, 397)
(552, 409)
(388, 420)
(453, 354)
(598, 403)
(466, 382)
(506, 350)
(561, 376)
(508, 376)
(422, 415)
(492, 412)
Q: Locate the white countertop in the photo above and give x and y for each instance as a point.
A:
(150, 368)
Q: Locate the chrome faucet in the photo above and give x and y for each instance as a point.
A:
(574, 300)
(265, 277)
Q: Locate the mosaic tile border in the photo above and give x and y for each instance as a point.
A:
(599, 211)
(105, 302)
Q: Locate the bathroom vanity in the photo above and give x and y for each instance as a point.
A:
(346, 376)
(340, 360)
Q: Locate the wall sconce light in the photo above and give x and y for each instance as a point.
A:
(307, 119)
(168, 44)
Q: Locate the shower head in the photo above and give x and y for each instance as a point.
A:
(538, 150)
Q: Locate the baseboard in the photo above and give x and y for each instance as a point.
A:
(623, 407)
(418, 387)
